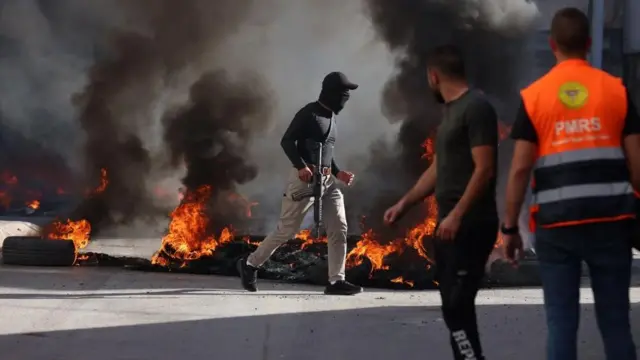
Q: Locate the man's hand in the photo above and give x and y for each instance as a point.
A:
(305, 174)
(346, 177)
(513, 249)
(394, 213)
(448, 227)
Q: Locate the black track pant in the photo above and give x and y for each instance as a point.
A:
(460, 269)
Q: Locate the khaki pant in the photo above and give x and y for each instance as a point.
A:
(291, 216)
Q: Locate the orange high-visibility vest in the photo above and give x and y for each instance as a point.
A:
(580, 175)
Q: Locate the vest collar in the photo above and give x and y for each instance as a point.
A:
(572, 63)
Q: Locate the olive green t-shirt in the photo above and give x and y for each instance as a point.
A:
(468, 121)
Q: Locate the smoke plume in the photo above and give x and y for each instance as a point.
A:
(212, 134)
(135, 67)
(491, 35)
(140, 75)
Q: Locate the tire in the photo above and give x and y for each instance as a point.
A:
(35, 251)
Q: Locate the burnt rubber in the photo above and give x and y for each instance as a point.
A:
(35, 251)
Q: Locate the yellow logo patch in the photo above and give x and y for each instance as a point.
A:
(573, 95)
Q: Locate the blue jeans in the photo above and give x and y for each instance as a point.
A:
(606, 249)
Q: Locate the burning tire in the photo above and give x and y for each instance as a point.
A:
(35, 251)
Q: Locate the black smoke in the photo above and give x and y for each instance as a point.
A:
(163, 46)
(411, 28)
(212, 133)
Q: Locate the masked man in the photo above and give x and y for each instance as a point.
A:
(314, 122)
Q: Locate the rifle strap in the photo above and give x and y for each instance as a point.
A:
(326, 136)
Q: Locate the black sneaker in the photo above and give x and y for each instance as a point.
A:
(248, 275)
(342, 287)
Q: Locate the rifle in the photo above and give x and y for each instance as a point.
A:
(315, 190)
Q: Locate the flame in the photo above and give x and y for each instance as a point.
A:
(370, 248)
(308, 240)
(76, 231)
(35, 204)
(427, 145)
(104, 181)
(401, 280)
(499, 241)
(188, 237)
(243, 202)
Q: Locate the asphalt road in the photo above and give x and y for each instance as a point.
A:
(115, 314)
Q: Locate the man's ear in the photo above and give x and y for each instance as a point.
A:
(432, 76)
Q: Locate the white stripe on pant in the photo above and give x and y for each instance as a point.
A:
(292, 214)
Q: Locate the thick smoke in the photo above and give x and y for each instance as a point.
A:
(127, 62)
(135, 61)
(42, 61)
(212, 134)
(139, 76)
(490, 33)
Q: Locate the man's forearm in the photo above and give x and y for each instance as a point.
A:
(516, 189)
(423, 187)
(480, 179)
(291, 150)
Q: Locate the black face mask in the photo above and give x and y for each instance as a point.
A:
(334, 99)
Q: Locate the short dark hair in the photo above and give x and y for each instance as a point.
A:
(448, 59)
(571, 31)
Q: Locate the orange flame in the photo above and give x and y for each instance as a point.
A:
(104, 181)
(35, 204)
(76, 231)
(370, 248)
(429, 152)
(243, 202)
(308, 240)
(401, 280)
(188, 237)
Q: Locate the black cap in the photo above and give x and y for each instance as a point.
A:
(337, 80)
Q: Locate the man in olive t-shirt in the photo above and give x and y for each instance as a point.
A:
(463, 177)
(469, 121)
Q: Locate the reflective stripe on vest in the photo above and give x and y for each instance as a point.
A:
(582, 191)
(585, 201)
(580, 175)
